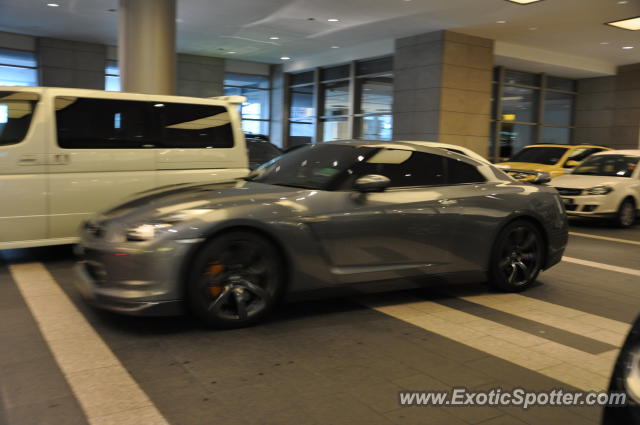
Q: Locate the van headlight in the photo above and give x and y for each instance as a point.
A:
(599, 190)
(146, 232)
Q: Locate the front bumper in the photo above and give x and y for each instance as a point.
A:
(596, 206)
(134, 281)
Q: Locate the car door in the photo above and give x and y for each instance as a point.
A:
(23, 179)
(102, 152)
(403, 231)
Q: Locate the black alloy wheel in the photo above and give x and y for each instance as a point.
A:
(236, 280)
(517, 257)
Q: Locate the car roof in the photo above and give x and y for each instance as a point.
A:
(621, 152)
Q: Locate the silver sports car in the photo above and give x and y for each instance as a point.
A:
(322, 216)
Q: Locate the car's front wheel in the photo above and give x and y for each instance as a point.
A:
(517, 257)
(236, 280)
(627, 213)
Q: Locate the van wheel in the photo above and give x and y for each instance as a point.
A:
(236, 280)
(516, 260)
(626, 215)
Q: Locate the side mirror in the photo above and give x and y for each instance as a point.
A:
(371, 183)
(571, 164)
(542, 178)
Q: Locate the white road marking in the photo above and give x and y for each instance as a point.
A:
(603, 266)
(105, 390)
(579, 369)
(568, 319)
(604, 238)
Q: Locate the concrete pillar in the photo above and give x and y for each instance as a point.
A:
(442, 89)
(147, 46)
(608, 110)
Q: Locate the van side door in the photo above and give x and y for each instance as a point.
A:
(200, 143)
(102, 151)
(23, 181)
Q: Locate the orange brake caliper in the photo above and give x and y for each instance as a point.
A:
(214, 270)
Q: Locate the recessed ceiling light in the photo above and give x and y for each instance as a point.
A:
(628, 47)
(501, 22)
(333, 20)
(335, 47)
(623, 2)
(632, 24)
(53, 4)
(604, 42)
(523, 1)
(285, 58)
(274, 38)
(232, 52)
(533, 28)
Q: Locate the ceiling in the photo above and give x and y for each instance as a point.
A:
(206, 27)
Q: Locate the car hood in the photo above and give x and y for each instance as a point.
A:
(528, 166)
(170, 200)
(576, 181)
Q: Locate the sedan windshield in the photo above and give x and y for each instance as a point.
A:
(312, 167)
(542, 155)
(608, 165)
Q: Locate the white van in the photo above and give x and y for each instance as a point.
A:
(66, 153)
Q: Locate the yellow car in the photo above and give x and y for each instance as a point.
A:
(556, 160)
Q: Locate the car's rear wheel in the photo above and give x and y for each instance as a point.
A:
(517, 257)
(626, 215)
(236, 280)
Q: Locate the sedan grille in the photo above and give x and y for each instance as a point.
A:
(565, 191)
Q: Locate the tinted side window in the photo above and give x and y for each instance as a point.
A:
(581, 154)
(405, 168)
(16, 111)
(459, 172)
(195, 126)
(85, 123)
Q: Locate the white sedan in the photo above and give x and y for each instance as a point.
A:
(605, 185)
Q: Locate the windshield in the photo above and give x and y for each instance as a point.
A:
(319, 167)
(16, 111)
(541, 155)
(608, 165)
(261, 152)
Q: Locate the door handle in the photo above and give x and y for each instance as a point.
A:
(29, 160)
(59, 159)
(445, 202)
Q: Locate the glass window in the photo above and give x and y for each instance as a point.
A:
(514, 137)
(335, 129)
(556, 135)
(16, 111)
(301, 78)
(374, 66)
(301, 133)
(112, 76)
(519, 104)
(335, 73)
(580, 154)
(246, 81)
(405, 168)
(561, 83)
(255, 127)
(459, 172)
(523, 78)
(377, 94)
(540, 155)
(558, 108)
(301, 103)
(255, 88)
(608, 165)
(375, 127)
(336, 98)
(18, 68)
(194, 126)
(84, 123)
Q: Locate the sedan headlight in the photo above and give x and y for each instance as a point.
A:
(146, 232)
(599, 190)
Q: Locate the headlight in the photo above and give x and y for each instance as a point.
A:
(146, 232)
(599, 190)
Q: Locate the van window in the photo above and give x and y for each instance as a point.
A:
(195, 126)
(85, 123)
(16, 111)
